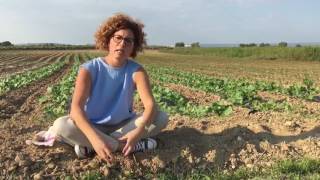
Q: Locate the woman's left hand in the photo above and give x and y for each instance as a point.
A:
(131, 139)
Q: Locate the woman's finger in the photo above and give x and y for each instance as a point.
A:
(125, 148)
(123, 138)
(108, 153)
(109, 159)
(128, 151)
(103, 155)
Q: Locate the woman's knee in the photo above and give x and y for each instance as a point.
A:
(63, 125)
(162, 119)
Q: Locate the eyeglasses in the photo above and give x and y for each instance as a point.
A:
(118, 39)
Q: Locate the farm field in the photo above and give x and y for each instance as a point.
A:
(229, 117)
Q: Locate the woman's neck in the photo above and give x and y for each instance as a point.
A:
(114, 62)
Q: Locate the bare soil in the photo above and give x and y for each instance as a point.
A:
(196, 96)
(242, 139)
(23, 64)
(255, 140)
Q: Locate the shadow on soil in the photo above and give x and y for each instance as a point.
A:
(228, 142)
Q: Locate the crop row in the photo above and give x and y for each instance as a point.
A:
(22, 67)
(21, 58)
(20, 80)
(58, 96)
(174, 102)
(237, 92)
(307, 90)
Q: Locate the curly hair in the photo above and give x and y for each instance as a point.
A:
(115, 23)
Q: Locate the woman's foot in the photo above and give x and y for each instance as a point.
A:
(141, 146)
(145, 145)
(83, 152)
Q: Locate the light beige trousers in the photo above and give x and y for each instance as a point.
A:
(67, 130)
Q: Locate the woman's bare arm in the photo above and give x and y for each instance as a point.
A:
(80, 95)
(141, 80)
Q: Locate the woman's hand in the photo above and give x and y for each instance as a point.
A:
(131, 139)
(102, 149)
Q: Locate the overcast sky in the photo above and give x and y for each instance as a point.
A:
(166, 21)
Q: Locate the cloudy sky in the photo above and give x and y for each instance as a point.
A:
(166, 21)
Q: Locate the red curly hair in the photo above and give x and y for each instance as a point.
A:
(115, 23)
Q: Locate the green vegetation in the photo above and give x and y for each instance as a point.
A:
(264, 45)
(21, 80)
(237, 92)
(195, 44)
(248, 45)
(171, 75)
(58, 96)
(306, 91)
(179, 44)
(6, 43)
(295, 53)
(173, 102)
(283, 44)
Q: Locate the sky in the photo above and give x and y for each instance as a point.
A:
(166, 21)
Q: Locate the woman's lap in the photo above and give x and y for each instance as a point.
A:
(71, 134)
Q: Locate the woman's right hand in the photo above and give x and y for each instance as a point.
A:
(102, 149)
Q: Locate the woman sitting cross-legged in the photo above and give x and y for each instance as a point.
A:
(101, 117)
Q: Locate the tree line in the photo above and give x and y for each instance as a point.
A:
(181, 44)
(7, 45)
(280, 44)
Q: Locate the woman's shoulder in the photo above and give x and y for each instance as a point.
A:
(92, 63)
(96, 60)
(133, 64)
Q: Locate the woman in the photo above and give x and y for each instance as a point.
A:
(101, 116)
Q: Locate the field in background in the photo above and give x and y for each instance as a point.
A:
(282, 71)
(234, 113)
(269, 53)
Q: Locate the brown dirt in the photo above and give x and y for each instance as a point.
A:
(18, 110)
(242, 139)
(26, 64)
(196, 96)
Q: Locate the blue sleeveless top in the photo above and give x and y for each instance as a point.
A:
(111, 97)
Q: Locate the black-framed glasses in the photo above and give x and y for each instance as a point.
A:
(118, 38)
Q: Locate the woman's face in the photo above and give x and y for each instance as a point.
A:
(121, 44)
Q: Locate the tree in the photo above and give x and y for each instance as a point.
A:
(6, 43)
(264, 44)
(248, 45)
(298, 45)
(179, 44)
(283, 44)
(195, 44)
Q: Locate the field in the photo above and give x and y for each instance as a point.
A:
(230, 117)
